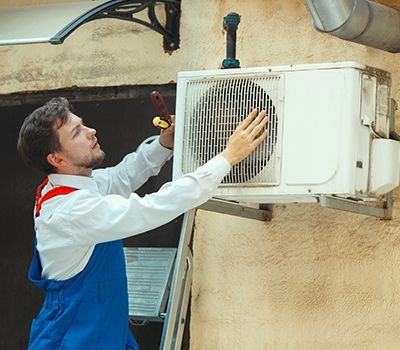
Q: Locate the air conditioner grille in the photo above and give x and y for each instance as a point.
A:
(213, 109)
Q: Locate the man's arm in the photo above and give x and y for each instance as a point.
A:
(133, 171)
(136, 168)
(95, 218)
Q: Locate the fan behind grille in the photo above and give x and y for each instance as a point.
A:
(213, 109)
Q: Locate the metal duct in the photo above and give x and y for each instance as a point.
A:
(361, 21)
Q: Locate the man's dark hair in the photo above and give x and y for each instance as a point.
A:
(38, 137)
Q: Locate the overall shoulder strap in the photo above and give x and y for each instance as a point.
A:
(56, 191)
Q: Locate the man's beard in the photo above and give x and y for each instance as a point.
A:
(97, 159)
(92, 162)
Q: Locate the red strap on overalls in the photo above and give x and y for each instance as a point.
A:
(56, 191)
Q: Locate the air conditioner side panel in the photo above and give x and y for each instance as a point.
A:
(313, 113)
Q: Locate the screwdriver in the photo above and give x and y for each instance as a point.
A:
(164, 120)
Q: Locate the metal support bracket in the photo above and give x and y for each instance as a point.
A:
(383, 212)
(125, 10)
(382, 209)
(262, 213)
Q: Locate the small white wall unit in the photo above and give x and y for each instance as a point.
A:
(325, 120)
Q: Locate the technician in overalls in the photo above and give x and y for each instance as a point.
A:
(82, 215)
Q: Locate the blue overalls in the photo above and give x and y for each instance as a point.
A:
(88, 311)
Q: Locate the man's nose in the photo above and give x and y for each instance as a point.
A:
(91, 132)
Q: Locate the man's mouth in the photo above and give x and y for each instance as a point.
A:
(96, 145)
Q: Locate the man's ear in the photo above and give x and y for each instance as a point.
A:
(55, 160)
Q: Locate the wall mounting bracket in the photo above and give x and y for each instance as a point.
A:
(262, 213)
(383, 211)
(55, 22)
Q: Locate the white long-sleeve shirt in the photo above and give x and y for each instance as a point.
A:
(105, 209)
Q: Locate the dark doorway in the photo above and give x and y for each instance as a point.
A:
(122, 117)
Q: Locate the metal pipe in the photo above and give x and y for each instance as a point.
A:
(361, 21)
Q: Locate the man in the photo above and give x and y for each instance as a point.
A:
(82, 215)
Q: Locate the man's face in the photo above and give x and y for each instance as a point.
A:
(79, 147)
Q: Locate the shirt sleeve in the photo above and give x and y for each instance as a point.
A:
(133, 171)
(95, 218)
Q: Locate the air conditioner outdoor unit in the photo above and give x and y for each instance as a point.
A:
(328, 131)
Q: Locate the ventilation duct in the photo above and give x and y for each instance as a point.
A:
(361, 21)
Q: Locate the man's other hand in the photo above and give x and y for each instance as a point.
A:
(167, 135)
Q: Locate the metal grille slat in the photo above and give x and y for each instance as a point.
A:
(214, 106)
(148, 272)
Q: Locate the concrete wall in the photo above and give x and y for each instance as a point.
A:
(312, 278)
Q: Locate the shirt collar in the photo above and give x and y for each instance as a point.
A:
(75, 181)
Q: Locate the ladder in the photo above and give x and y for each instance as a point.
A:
(159, 279)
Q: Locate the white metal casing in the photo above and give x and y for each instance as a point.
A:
(385, 166)
(322, 120)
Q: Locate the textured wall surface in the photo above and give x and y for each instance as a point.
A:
(312, 278)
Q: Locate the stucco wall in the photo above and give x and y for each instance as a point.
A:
(312, 278)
